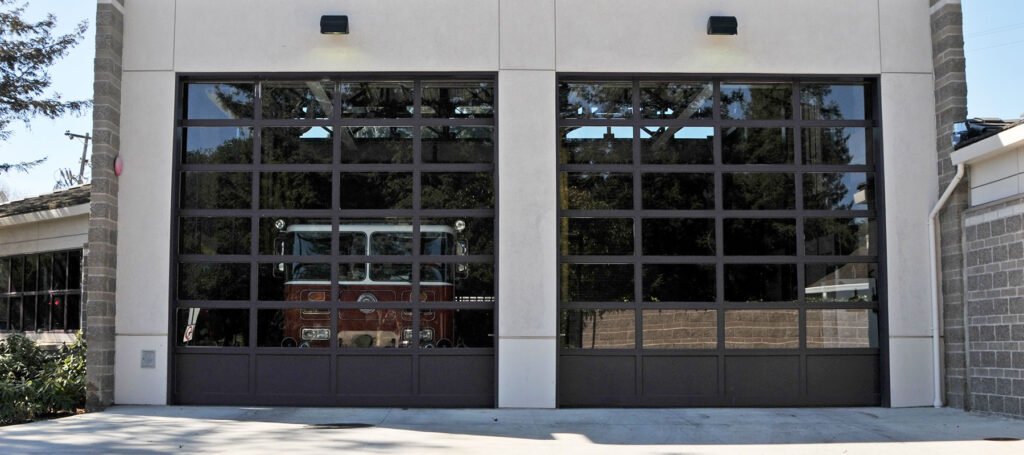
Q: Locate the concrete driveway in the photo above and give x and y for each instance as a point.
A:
(177, 429)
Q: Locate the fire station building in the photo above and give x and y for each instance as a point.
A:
(528, 203)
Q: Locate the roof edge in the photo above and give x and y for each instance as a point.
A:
(989, 146)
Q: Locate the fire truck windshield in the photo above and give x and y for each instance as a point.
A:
(381, 243)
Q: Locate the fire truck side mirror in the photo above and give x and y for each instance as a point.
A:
(278, 270)
(461, 269)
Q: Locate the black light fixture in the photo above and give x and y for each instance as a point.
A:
(722, 25)
(334, 25)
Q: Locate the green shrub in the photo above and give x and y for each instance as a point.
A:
(34, 382)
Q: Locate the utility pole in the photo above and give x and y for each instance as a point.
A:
(85, 149)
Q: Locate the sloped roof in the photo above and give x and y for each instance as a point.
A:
(76, 195)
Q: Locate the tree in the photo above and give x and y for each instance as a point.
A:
(27, 51)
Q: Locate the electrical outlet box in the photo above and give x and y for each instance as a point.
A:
(148, 359)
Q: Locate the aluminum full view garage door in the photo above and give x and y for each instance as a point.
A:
(719, 242)
(334, 241)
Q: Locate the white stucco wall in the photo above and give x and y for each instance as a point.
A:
(527, 42)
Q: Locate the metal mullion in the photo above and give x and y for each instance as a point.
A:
(296, 304)
(216, 304)
(335, 292)
(627, 259)
(708, 168)
(293, 123)
(569, 123)
(572, 305)
(427, 213)
(681, 123)
(820, 259)
(197, 123)
(417, 205)
(719, 235)
(257, 158)
(407, 122)
(637, 237)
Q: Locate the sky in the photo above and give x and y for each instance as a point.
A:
(993, 36)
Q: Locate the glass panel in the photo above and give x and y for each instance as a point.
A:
(209, 235)
(45, 279)
(758, 191)
(213, 281)
(680, 329)
(42, 312)
(839, 191)
(841, 282)
(374, 328)
(216, 190)
(376, 190)
(5, 275)
(74, 269)
(28, 314)
(295, 236)
(679, 282)
(596, 191)
(457, 144)
(212, 327)
(832, 102)
(596, 145)
(762, 329)
(297, 145)
(676, 100)
(474, 284)
(297, 100)
(457, 99)
(376, 144)
(760, 282)
(17, 273)
(679, 236)
(597, 100)
(293, 327)
(604, 236)
(295, 282)
(74, 315)
(455, 329)
(598, 329)
(678, 191)
(5, 321)
(757, 145)
(677, 145)
(391, 243)
(759, 237)
(16, 312)
(376, 99)
(227, 145)
(475, 238)
(842, 328)
(837, 146)
(57, 304)
(218, 101)
(840, 236)
(458, 190)
(757, 101)
(60, 271)
(597, 282)
(295, 190)
(31, 272)
(393, 273)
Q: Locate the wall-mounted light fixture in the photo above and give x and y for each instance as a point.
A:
(722, 25)
(334, 25)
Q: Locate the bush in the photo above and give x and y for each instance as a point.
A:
(35, 383)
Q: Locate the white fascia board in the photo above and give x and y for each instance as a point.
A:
(44, 215)
(989, 147)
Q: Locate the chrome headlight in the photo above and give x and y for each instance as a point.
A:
(427, 334)
(316, 333)
(406, 334)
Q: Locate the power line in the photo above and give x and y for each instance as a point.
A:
(1000, 29)
(1011, 43)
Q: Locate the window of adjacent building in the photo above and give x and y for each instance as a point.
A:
(41, 292)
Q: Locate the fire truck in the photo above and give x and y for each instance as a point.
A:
(369, 282)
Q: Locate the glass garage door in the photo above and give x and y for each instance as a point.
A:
(334, 242)
(719, 242)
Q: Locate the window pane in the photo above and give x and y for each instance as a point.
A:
(842, 328)
(679, 236)
(678, 191)
(458, 144)
(604, 236)
(5, 321)
(762, 329)
(676, 100)
(677, 145)
(458, 99)
(31, 272)
(295, 236)
(228, 145)
(840, 236)
(679, 282)
(297, 100)
(760, 282)
(376, 144)
(456, 328)
(57, 304)
(295, 282)
(458, 190)
(757, 101)
(759, 236)
(74, 312)
(374, 328)
(376, 99)
(758, 191)
(43, 312)
(60, 271)
(28, 314)
(293, 327)
(376, 190)
(757, 145)
(597, 283)
(832, 102)
(839, 191)
(209, 235)
(5, 275)
(16, 313)
(45, 279)
(75, 269)
(597, 191)
(680, 329)
(837, 146)
(17, 274)
(219, 101)
(216, 190)
(596, 145)
(295, 190)
(841, 282)
(297, 145)
(475, 283)
(212, 327)
(391, 244)
(477, 235)
(213, 281)
(598, 329)
(598, 100)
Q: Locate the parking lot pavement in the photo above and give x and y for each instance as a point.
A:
(201, 429)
